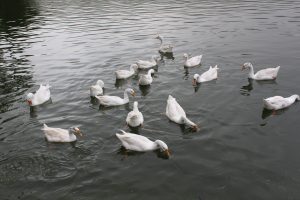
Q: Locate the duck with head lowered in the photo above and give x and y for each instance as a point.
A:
(41, 96)
(264, 74)
(176, 113)
(134, 142)
(107, 100)
(210, 74)
(279, 102)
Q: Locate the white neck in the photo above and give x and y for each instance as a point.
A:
(149, 72)
(135, 107)
(161, 40)
(126, 98)
(294, 97)
(251, 72)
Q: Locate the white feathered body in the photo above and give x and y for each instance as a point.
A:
(210, 74)
(135, 117)
(194, 61)
(279, 102)
(42, 95)
(174, 111)
(123, 74)
(97, 89)
(58, 134)
(146, 79)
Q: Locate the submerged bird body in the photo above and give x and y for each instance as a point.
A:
(115, 100)
(135, 117)
(145, 64)
(97, 89)
(264, 74)
(210, 74)
(279, 102)
(164, 48)
(41, 96)
(123, 74)
(140, 143)
(192, 62)
(146, 79)
(60, 135)
(176, 113)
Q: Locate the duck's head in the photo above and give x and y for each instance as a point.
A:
(195, 78)
(163, 147)
(29, 98)
(246, 65)
(155, 58)
(151, 71)
(100, 83)
(75, 131)
(131, 91)
(134, 67)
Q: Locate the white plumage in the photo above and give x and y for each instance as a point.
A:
(164, 48)
(192, 62)
(123, 74)
(60, 135)
(97, 89)
(135, 117)
(145, 64)
(264, 74)
(146, 79)
(210, 74)
(106, 100)
(279, 102)
(41, 96)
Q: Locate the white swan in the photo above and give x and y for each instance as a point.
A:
(279, 102)
(164, 48)
(264, 74)
(140, 143)
(106, 100)
(192, 62)
(61, 135)
(210, 74)
(176, 113)
(135, 117)
(123, 74)
(145, 64)
(146, 79)
(41, 96)
(97, 89)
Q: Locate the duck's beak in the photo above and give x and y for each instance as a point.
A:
(243, 67)
(194, 81)
(167, 153)
(29, 102)
(78, 131)
(133, 93)
(195, 128)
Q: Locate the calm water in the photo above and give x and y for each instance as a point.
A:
(240, 152)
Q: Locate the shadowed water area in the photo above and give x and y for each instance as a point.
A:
(240, 152)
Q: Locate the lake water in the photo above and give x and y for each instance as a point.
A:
(240, 151)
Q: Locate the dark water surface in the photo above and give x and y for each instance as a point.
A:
(240, 152)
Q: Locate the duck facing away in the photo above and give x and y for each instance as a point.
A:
(123, 74)
(106, 100)
(264, 74)
(97, 89)
(146, 79)
(135, 117)
(176, 113)
(61, 135)
(41, 96)
(141, 143)
(210, 74)
(164, 48)
(192, 62)
(279, 102)
(145, 64)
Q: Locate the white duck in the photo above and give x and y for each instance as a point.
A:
(176, 113)
(192, 62)
(279, 102)
(135, 117)
(210, 74)
(146, 79)
(164, 48)
(97, 89)
(145, 64)
(106, 100)
(140, 143)
(123, 74)
(41, 96)
(61, 135)
(264, 74)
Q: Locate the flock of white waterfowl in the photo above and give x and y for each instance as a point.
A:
(135, 118)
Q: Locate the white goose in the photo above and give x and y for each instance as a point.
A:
(135, 117)
(192, 62)
(279, 102)
(264, 74)
(41, 96)
(61, 135)
(176, 113)
(123, 74)
(164, 48)
(97, 89)
(106, 100)
(145, 64)
(140, 143)
(146, 79)
(210, 74)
